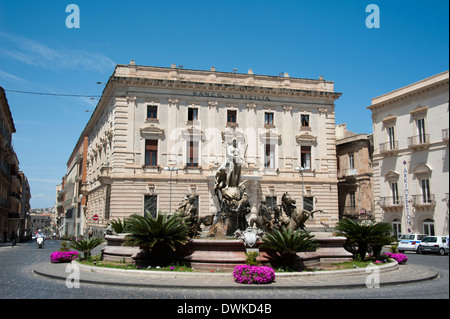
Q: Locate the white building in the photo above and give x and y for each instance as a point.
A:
(411, 156)
(150, 118)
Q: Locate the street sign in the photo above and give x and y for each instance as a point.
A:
(95, 217)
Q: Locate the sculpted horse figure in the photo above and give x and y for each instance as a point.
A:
(297, 217)
(264, 219)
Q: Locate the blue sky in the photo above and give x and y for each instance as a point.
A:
(307, 39)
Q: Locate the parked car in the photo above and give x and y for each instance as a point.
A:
(409, 242)
(433, 244)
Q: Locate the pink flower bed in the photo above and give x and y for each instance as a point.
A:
(400, 258)
(245, 274)
(63, 256)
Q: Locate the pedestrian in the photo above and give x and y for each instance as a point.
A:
(13, 238)
(5, 236)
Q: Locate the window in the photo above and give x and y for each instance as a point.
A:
(268, 118)
(428, 227)
(192, 154)
(231, 116)
(271, 202)
(308, 203)
(305, 157)
(151, 152)
(151, 204)
(352, 199)
(425, 185)
(421, 130)
(391, 137)
(152, 112)
(394, 192)
(397, 228)
(351, 161)
(269, 158)
(192, 114)
(304, 120)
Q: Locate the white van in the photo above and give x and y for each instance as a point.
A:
(409, 242)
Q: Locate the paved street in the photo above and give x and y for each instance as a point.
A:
(17, 281)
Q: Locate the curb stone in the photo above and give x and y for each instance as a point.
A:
(390, 274)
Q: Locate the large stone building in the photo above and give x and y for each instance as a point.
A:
(14, 188)
(355, 174)
(411, 156)
(159, 134)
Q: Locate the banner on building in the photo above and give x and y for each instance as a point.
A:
(407, 203)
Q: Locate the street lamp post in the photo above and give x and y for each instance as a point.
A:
(170, 169)
(301, 169)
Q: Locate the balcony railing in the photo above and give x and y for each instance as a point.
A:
(426, 200)
(391, 202)
(389, 148)
(419, 141)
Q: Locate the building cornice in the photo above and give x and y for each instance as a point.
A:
(434, 83)
(224, 88)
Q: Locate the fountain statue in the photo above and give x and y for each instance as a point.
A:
(230, 191)
(286, 215)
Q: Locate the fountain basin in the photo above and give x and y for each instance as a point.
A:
(225, 254)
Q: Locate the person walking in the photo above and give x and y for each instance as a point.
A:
(13, 238)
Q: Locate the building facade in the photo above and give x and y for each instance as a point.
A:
(70, 202)
(355, 174)
(159, 134)
(14, 188)
(411, 156)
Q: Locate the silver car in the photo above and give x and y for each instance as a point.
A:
(433, 244)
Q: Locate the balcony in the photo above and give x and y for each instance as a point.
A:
(419, 142)
(445, 135)
(389, 148)
(347, 172)
(391, 203)
(423, 201)
(105, 175)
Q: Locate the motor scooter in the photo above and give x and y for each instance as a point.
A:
(40, 242)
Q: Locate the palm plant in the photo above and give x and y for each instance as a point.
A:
(86, 245)
(282, 246)
(364, 235)
(119, 226)
(159, 236)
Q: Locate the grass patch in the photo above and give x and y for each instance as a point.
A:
(355, 264)
(97, 262)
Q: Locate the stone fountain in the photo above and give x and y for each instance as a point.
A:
(230, 235)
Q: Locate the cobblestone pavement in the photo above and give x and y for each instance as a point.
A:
(19, 266)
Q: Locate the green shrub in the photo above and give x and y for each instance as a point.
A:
(250, 258)
(86, 245)
(119, 226)
(364, 236)
(63, 246)
(162, 237)
(282, 246)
